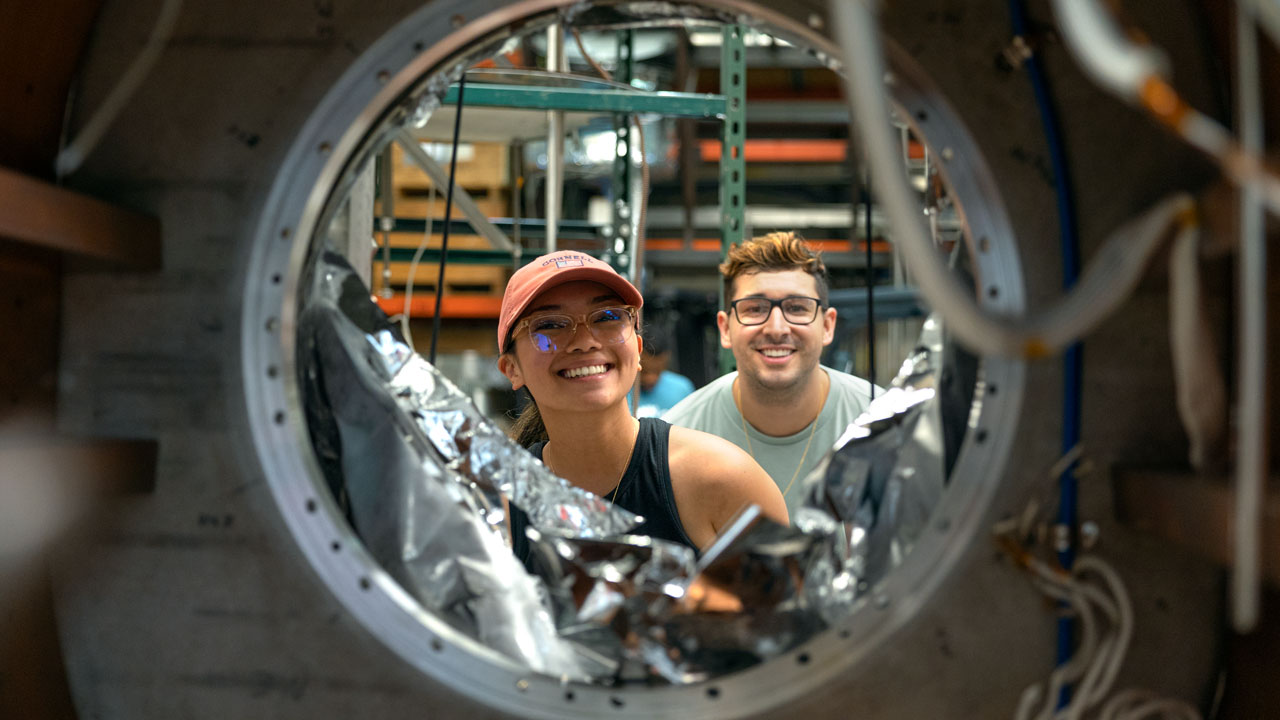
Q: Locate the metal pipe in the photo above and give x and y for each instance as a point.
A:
(555, 139)
(1251, 460)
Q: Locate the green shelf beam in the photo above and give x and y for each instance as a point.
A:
(672, 104)
(462, 257)
(733, 137)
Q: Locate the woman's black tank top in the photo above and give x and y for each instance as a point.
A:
(645, 489)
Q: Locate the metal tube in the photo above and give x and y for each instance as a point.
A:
(1251, 461)
(555, 139)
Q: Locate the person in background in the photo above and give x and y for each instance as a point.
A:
(567, 332)
(660, 388)
(781, 406)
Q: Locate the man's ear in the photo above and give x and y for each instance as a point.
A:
(828, 326)
(722, 322)
(510, 367)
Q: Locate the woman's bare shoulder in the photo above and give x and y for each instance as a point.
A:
(720, 478)
(707, 454)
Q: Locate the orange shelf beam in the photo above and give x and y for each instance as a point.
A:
(471, 307)
(713, 245)
(798, 151)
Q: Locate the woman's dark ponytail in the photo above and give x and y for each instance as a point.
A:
(528, 428)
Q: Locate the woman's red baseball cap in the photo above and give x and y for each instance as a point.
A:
(555, 269)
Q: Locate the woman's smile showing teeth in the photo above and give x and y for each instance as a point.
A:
(585, 371)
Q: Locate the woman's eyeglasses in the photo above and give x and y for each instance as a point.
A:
(551, 331)
(796, 309)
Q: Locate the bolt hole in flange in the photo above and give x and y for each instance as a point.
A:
(344, 148)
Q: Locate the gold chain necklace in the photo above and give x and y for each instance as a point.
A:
(613, 500)
(813, 426)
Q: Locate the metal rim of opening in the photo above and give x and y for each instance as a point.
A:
(430, 40)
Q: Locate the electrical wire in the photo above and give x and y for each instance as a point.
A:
(413, 269)
(871, 295)
(448, 216)
(1097, 597)
(1073, 360)
(1110, 277)
(73, 155)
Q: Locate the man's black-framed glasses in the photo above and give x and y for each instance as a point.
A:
(796, 309)
(548, 332)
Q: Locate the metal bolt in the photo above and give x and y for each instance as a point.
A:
(1061, 537)
(1089, 534)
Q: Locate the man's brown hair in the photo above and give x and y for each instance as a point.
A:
(775, 251)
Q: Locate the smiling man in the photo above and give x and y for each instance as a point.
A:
(781, 405)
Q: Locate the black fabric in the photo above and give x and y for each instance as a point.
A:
(645, 489)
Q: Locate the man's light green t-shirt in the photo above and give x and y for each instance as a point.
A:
(711, 409)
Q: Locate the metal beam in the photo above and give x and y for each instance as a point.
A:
(530, 227)
(733, 162)
(554, 185)
(459, 256)
(38, 213)
(670, 104)
(440, 177)
(890, 303)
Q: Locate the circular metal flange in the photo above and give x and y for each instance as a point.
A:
(436, 39)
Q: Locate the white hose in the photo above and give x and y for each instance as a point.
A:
(413, 269)
(1114, 272)
(1201, 389)
(1114, 61)
(73, 155)
(1267, 14)
(1134, 73)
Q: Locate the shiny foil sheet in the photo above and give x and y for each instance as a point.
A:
(421, 476)
(882, 480)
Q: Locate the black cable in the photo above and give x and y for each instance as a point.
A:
(871, 295)
(448, 215)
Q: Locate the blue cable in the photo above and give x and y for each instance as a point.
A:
(1073, 359)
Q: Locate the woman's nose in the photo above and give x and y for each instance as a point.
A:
(583, 339)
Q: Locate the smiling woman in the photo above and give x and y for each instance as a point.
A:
(568, 334)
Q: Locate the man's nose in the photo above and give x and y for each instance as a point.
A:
(776, 323)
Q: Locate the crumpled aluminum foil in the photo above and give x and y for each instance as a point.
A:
(426, 476)
(883, 479)
(468, 444)
(422, 477)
